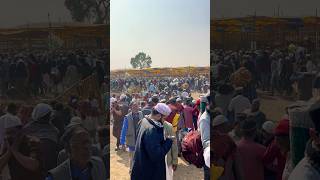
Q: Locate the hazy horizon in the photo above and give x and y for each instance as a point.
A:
(174, 33)
(159, 67)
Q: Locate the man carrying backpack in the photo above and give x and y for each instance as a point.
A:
(195, 143)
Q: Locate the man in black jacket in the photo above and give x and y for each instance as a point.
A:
(151, 146)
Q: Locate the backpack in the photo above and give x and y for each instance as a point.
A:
(192, 150)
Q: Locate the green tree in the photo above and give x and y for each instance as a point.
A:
(141, 61)
(97, 11)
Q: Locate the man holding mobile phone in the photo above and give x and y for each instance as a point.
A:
(149, 161)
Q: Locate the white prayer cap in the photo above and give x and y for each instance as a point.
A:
(112, 100)
(40, 111)
(75, 121)
(9, 121)
(163, 109)
(218, 120)
(268, 126)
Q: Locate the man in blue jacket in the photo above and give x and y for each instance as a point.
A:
(129, 129)
(151, 146)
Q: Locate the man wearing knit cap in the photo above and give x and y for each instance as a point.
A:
(151, 146)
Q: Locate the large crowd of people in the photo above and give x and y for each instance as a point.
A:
(246, 144)
(39, 73)
(54, 140)
(46, 137)
(273, 70)
(151, 123)
(157, 84)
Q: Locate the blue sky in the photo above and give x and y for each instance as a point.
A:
(174, 33)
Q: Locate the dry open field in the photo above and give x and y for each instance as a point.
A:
(119, 164)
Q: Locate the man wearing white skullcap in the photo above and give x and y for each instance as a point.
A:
(42, 128)
(151, 146)
(163, 109)
(40, 111)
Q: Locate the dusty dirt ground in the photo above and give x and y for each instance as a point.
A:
(274, 106)
(119, 164)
